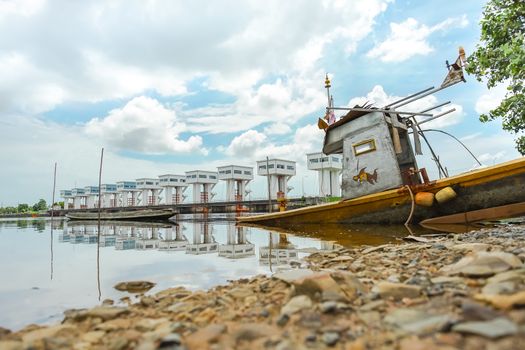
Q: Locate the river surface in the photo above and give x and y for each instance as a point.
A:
(47, 267)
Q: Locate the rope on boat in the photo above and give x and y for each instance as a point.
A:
(413, 205)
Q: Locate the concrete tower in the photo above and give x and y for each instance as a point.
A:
(174, 187)
(109, 195)
(68, 199)
(127, 193)
(203, 183)
(280, 172)
(329, 170)
(91, 193)
(237, 178)
(79, 198)
(150, 191)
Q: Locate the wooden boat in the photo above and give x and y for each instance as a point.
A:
(479, 189)
(381, 181)
(138, 215)
(122, 223)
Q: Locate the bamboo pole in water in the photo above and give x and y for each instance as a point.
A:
(52, 214)
(98, 231)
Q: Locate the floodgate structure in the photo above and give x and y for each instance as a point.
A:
(170, 191)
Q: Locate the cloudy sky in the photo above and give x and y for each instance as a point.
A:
(173, 86)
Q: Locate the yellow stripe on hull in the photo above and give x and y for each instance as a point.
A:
(397, 201)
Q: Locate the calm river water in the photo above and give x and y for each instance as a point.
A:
(44, 272)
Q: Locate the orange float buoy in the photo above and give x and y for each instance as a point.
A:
(445, 195)
(424, 199)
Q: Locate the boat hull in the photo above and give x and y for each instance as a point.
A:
(135, 215)
(493, 186)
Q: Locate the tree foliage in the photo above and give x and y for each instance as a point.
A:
(40, 205)
(499, 58)
(23, 208)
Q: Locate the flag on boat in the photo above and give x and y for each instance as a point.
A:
(455, 70)
(330, 116)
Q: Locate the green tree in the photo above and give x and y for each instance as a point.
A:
(499, 58)
(40, 205)
(23, 208)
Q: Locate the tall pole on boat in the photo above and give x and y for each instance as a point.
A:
(98, 232)
(327, 85)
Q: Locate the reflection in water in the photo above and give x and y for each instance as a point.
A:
(349, 235)
(279, 250)
(237, 245)
(194, 254)
(124, 235)
(168, 237)
(203, 240)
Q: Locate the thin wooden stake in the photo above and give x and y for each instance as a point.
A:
(52, 215)
(98, 232)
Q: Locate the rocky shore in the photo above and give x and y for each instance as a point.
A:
(456, 291)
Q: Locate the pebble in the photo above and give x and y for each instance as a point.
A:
(473, 311)
(311, 337)
(503, 301)
(483, 264)
(496, 328)
(330, 338)
(507, 287)
(264, 313)
(134, 286)
(319, 286)
(291, 276)
(283, 320)
(296, 304)
(328, 307)
(397, 291)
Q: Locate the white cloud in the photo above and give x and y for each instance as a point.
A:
(144, 125)
(255, 145)
(246, 144)
(278, 128)
(282, 102)
(85, 53)
(410, 38)
(20, 7)
(492, 158)
(490, 100)
(27, 88)
(29, 175)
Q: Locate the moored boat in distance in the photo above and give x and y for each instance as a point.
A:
(136, 215)
(381, 181)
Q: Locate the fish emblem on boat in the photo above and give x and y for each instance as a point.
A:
(363, 176)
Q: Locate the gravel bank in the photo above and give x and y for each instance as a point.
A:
(464, 291)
